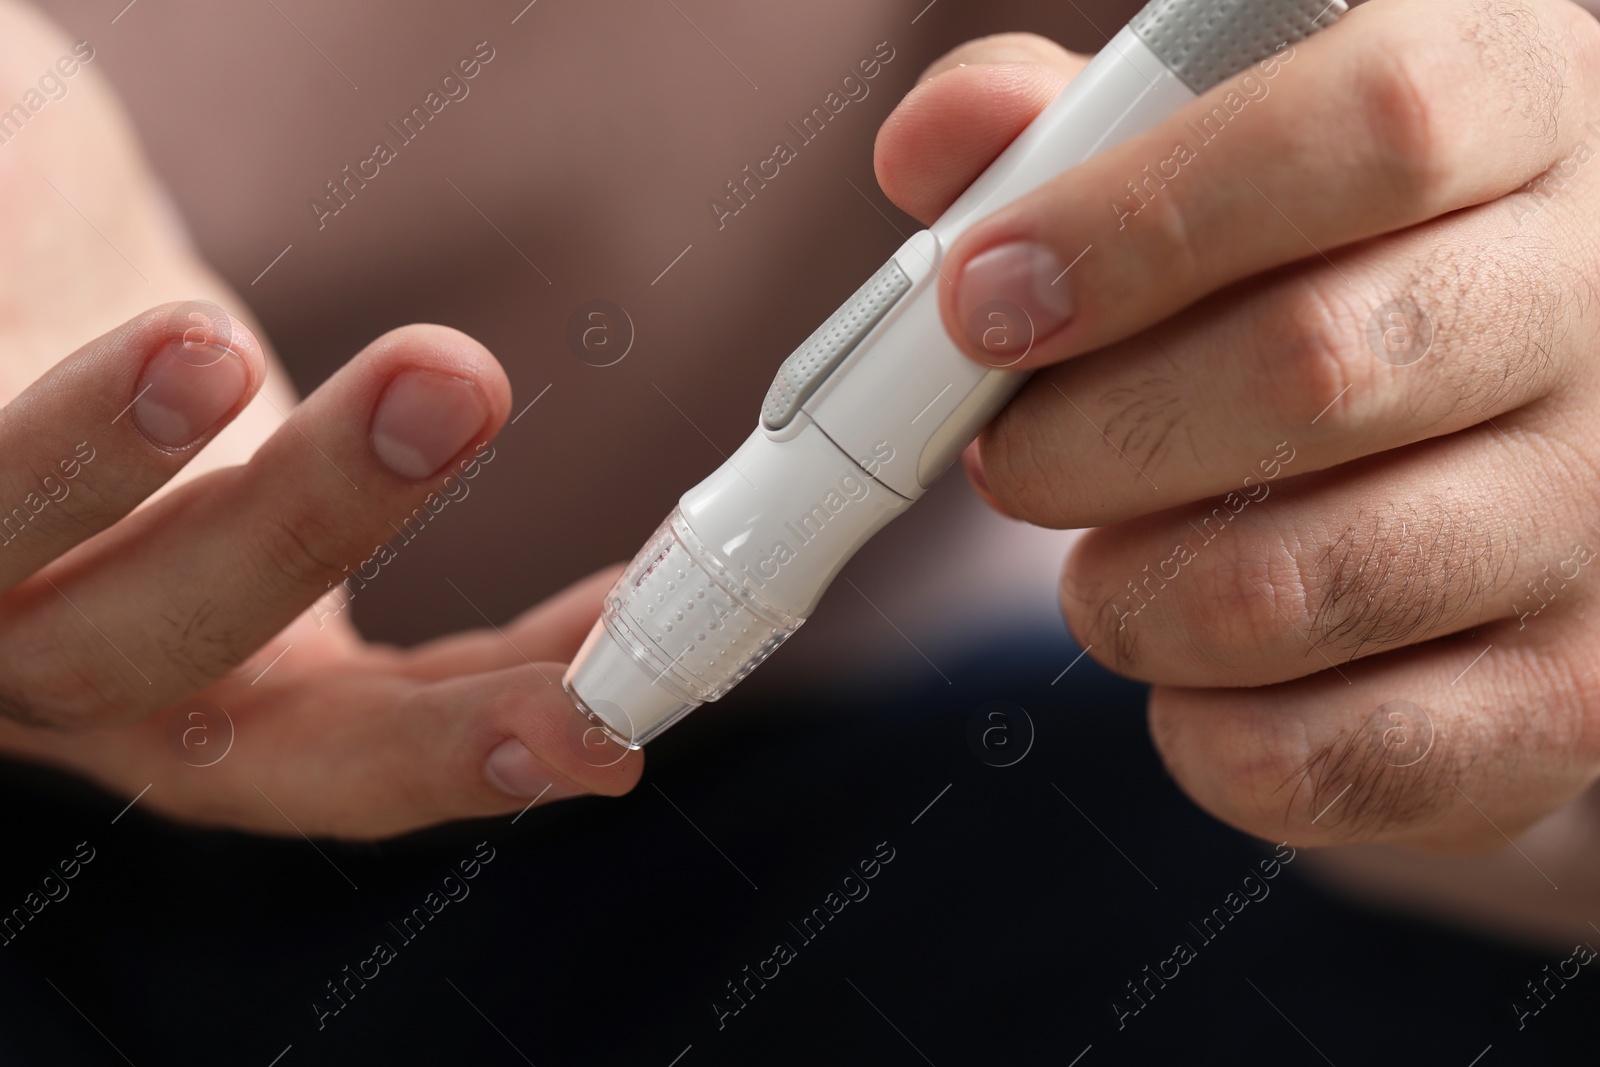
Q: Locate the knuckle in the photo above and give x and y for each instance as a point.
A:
(1240, 600)
(1323, 360)
(297, 549)
(1198, 613)
(1401, 101)
(1176, 243)
(1020, 456)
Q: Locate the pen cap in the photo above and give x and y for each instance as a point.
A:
(679, 628)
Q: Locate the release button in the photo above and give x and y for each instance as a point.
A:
(825, 349)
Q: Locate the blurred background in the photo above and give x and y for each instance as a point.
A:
(1037, 871)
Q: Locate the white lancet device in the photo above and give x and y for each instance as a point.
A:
(878, 402)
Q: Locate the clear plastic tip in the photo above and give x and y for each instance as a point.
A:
(678, 629)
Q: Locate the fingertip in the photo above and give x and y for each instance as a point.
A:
(949, 128)
(191, 368)
(1245, 770)
(896, 165)
(1011, 293)
(972, 463)
(517, 771)
(202, 324)
(1012, 300)
(436, 394)
(572, 754)
(1006, 457)
(447, 351)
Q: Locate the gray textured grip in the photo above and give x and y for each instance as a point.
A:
(809, 364)
(1205, 42)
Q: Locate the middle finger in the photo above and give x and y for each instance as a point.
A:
(1406, 338)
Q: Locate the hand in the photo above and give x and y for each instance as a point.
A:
(154, 622)
(1324, 381)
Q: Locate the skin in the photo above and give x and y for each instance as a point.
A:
(1316, 665)
(146, 603)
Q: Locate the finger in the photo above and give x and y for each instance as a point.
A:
(972, 463)
(110, 424)
(1410, 337)
(551, 630)
(351, 754)
(1311, 574)
(1410, 747)
(463, 748)
(182, 591)
(966, 108)
(1241, 180)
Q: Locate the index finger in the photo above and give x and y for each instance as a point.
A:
(1360, 130)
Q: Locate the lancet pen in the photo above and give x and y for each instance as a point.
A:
(878, 402)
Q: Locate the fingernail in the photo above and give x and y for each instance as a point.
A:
(511, 768)
(1020, 276)
(185, 389)
(424, 419)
